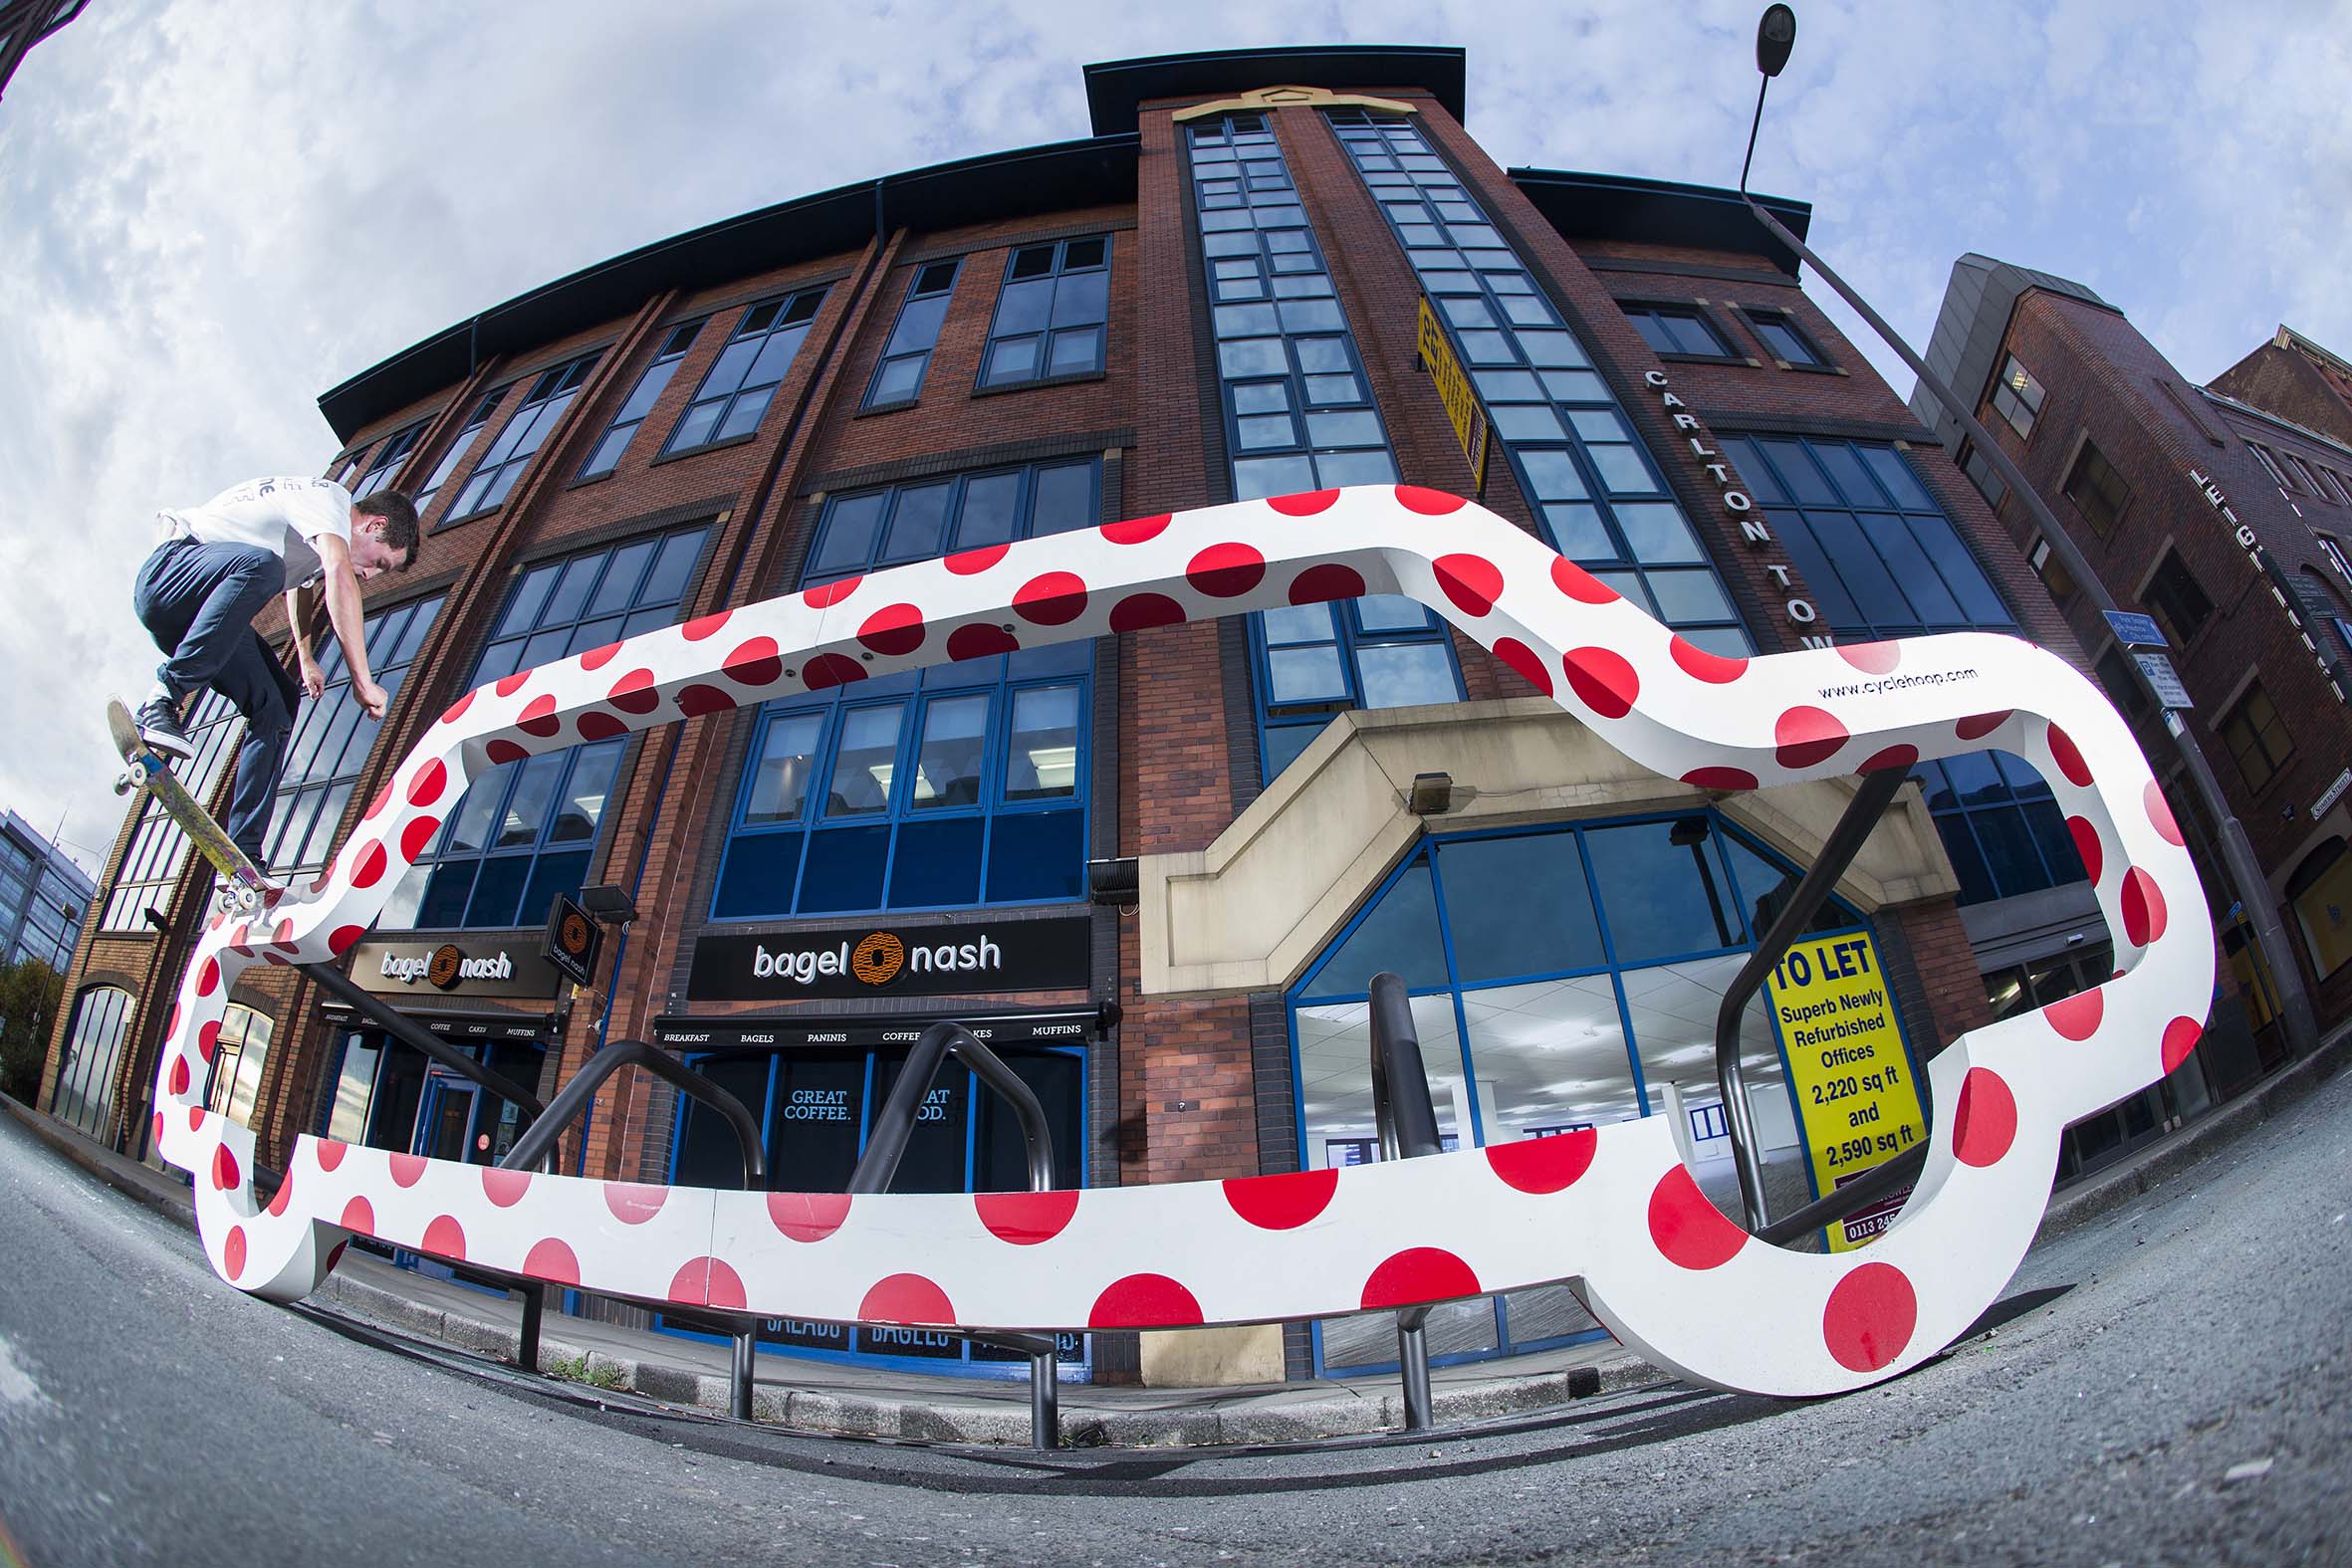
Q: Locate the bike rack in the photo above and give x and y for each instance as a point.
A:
(1407, 1123)
(886, 1146)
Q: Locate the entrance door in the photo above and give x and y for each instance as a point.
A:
(445, 1127)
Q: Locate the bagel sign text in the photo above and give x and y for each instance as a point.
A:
(1022, 955)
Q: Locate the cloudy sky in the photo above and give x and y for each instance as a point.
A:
(213, 210)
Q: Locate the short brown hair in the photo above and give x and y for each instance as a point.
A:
(399, 522)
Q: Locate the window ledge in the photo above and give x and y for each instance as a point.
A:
(446, 524)
(593, 479)
(744, 439)
(895, 406)
(1809, 369)
(1709, 358)
(1072, 380)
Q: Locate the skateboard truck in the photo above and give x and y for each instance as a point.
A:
(241, 890)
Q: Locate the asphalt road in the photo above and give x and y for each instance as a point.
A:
(2167, 1385)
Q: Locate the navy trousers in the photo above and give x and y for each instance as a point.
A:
(198, 601)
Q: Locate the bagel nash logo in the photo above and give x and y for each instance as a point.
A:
(876, 959)
(445, 967)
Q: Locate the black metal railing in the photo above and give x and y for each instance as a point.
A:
(1407, 1123)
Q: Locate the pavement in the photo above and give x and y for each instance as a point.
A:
(375, 1297)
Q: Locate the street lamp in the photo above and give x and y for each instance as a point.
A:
(1775, 36)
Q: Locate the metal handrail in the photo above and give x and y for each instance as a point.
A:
(1407, 1124)
(565, 1107)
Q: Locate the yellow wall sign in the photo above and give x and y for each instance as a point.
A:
(1460, 399)
(1848, 1072)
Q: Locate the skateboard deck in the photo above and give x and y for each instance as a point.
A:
(243, 888)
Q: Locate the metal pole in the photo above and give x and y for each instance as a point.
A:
(1407, 1124)
(2244, 871)
(739, 1401)
(533, 1311)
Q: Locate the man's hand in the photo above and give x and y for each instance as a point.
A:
(313, 679)
(368, 695)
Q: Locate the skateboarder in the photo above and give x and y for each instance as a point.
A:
(218, 565)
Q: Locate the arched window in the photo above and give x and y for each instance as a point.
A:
(84, 1093)
(237, 1061)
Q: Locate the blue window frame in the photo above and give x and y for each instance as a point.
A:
(907, 355)
(1788, 341)
(526, 831)
(1671, 330)
(527, 430)
(458, 444)
(333, 737)
(1314, 660)
(1053, 313)
(631, 414)
(388, 459)
(2003, 831)
(1595, 490)
(889, 527)
(738, 387)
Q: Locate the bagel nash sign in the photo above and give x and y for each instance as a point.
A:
(865, 961)
(470, 967)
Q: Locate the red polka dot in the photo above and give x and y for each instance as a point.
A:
(1140, 611)
(634, 693)
(755, 663)
(155, 1131)
(893, 629)
(2144, 915)
(1603, 681)
(1877, 659)
(1473, 582)
(510, 684)
(1870, 1317)
(1986, 1122)
(340, 941)
(1417, 1274)
(1281, 1202)
(2160, 814)
(1331, 581)
(633, 1202)
(456, 709)
(830, 669)
(1052, 598)
(1026, 1218)
(1894, 758)
(431, 781)
(504, 751)
(697, 700)
(208, 1039)
(2086, 844)
(707, 1281)
(981, 640)
(372, 866)
(232, 1252)
(1978, 725)
(598, 725)
(225, 1175)
(196, 1118)
(358, 1215)
(383, 797)
(1429, 503)
(2068, 757)
(416, 836)
(2180, 1038)
(283, 1196)
(905, 1298)
(1136, 531)
(1579, 584)
(826, 595)
(505, 1188)
(1305, 504)
(1543, 1165)
(336, 1255)
(330, 1151)
(807, 1216)
(1696, 662)
(2076, 1018)
(1803, 736)
(208, 978)
(1719, 778)
(177, 1083)
(1144, 1301)
(171, 1022)
(1227, 570)
(445, 1238)
(1689, 1231)
(972, 563)
(407, 1169)
(597, 658)
(552, 1261)
(1526, 661)
(701, 630)
(539, 717)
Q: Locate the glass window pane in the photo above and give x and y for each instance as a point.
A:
(586, 793)
(1258, 477)
(1262, 397)
(1656, 532)
(469, 829)
(788, 757)
(1689, 595)
(1553, 349)
(845, 869)
(1622, 472)
(498, 890)
(1037, 855)
(1351, 428)
(758, 880)
(1064, 500)
(551, 874)
(1552, 475)
(849, 538)
(1392, 613)
(525, 812)
(522, 611)
(1400, 675)
(1024, 306)
(937, 863)
(1663, 889)
(1847, 473)
(1043, 759)
(1527, 422)
(1076, 351)
(948, 761)
(1518, 906)
(1304, 674)
(1252, 356)
(1332, 468)
(1014, 359)
(867, 758)
(989, 510)
(1259, 431)
(1400, 934)
(918, 523)
(1323, 389)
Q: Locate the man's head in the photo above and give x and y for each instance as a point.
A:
(384, 534)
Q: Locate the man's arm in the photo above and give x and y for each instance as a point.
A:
(350, 621)
(313, 679)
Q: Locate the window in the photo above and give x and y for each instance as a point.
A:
(2338, 487)
(84, 1093)
(2175, 600)
(524, 831)
(2097, 490)
(2334, 551)
(2321, 894)
(1678, 332)
(899, 377)
(2017, 397)
(2123, 687)
(457, 449)
(1051, 313)
(388, 459)
(640, 401)
(342, 467)
(2052, 570)
(526, 431)
(2005, 833)
(2257, 737)
(158, 849)
(736, 390)
(1781, 335)
(1983, 475)
(2302, 471)
(2270, 461)
(1314, 660)
(868, 529)
(238, 1057)
(331, 739)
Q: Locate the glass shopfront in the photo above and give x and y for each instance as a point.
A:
(389, 1096)
(1562, 977)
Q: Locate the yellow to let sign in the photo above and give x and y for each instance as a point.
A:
(1848, 1072)
(1460, 397)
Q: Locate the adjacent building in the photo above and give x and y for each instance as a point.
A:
(44, 896)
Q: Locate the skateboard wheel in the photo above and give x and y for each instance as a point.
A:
(123, 783)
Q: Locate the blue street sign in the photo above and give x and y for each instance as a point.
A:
(2136, 632)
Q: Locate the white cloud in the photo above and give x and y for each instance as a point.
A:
(210, 211)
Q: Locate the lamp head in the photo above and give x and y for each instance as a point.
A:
(1775, 36)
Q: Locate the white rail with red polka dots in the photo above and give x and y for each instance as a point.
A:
(1663, 1269)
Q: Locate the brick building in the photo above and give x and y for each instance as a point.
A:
(1215, 296)
(2225, 511)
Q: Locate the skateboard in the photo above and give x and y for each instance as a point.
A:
(242, 890)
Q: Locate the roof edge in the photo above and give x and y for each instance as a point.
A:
(1117, 89)
(1662, 212)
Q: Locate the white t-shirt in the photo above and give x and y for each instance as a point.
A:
(284, 515)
